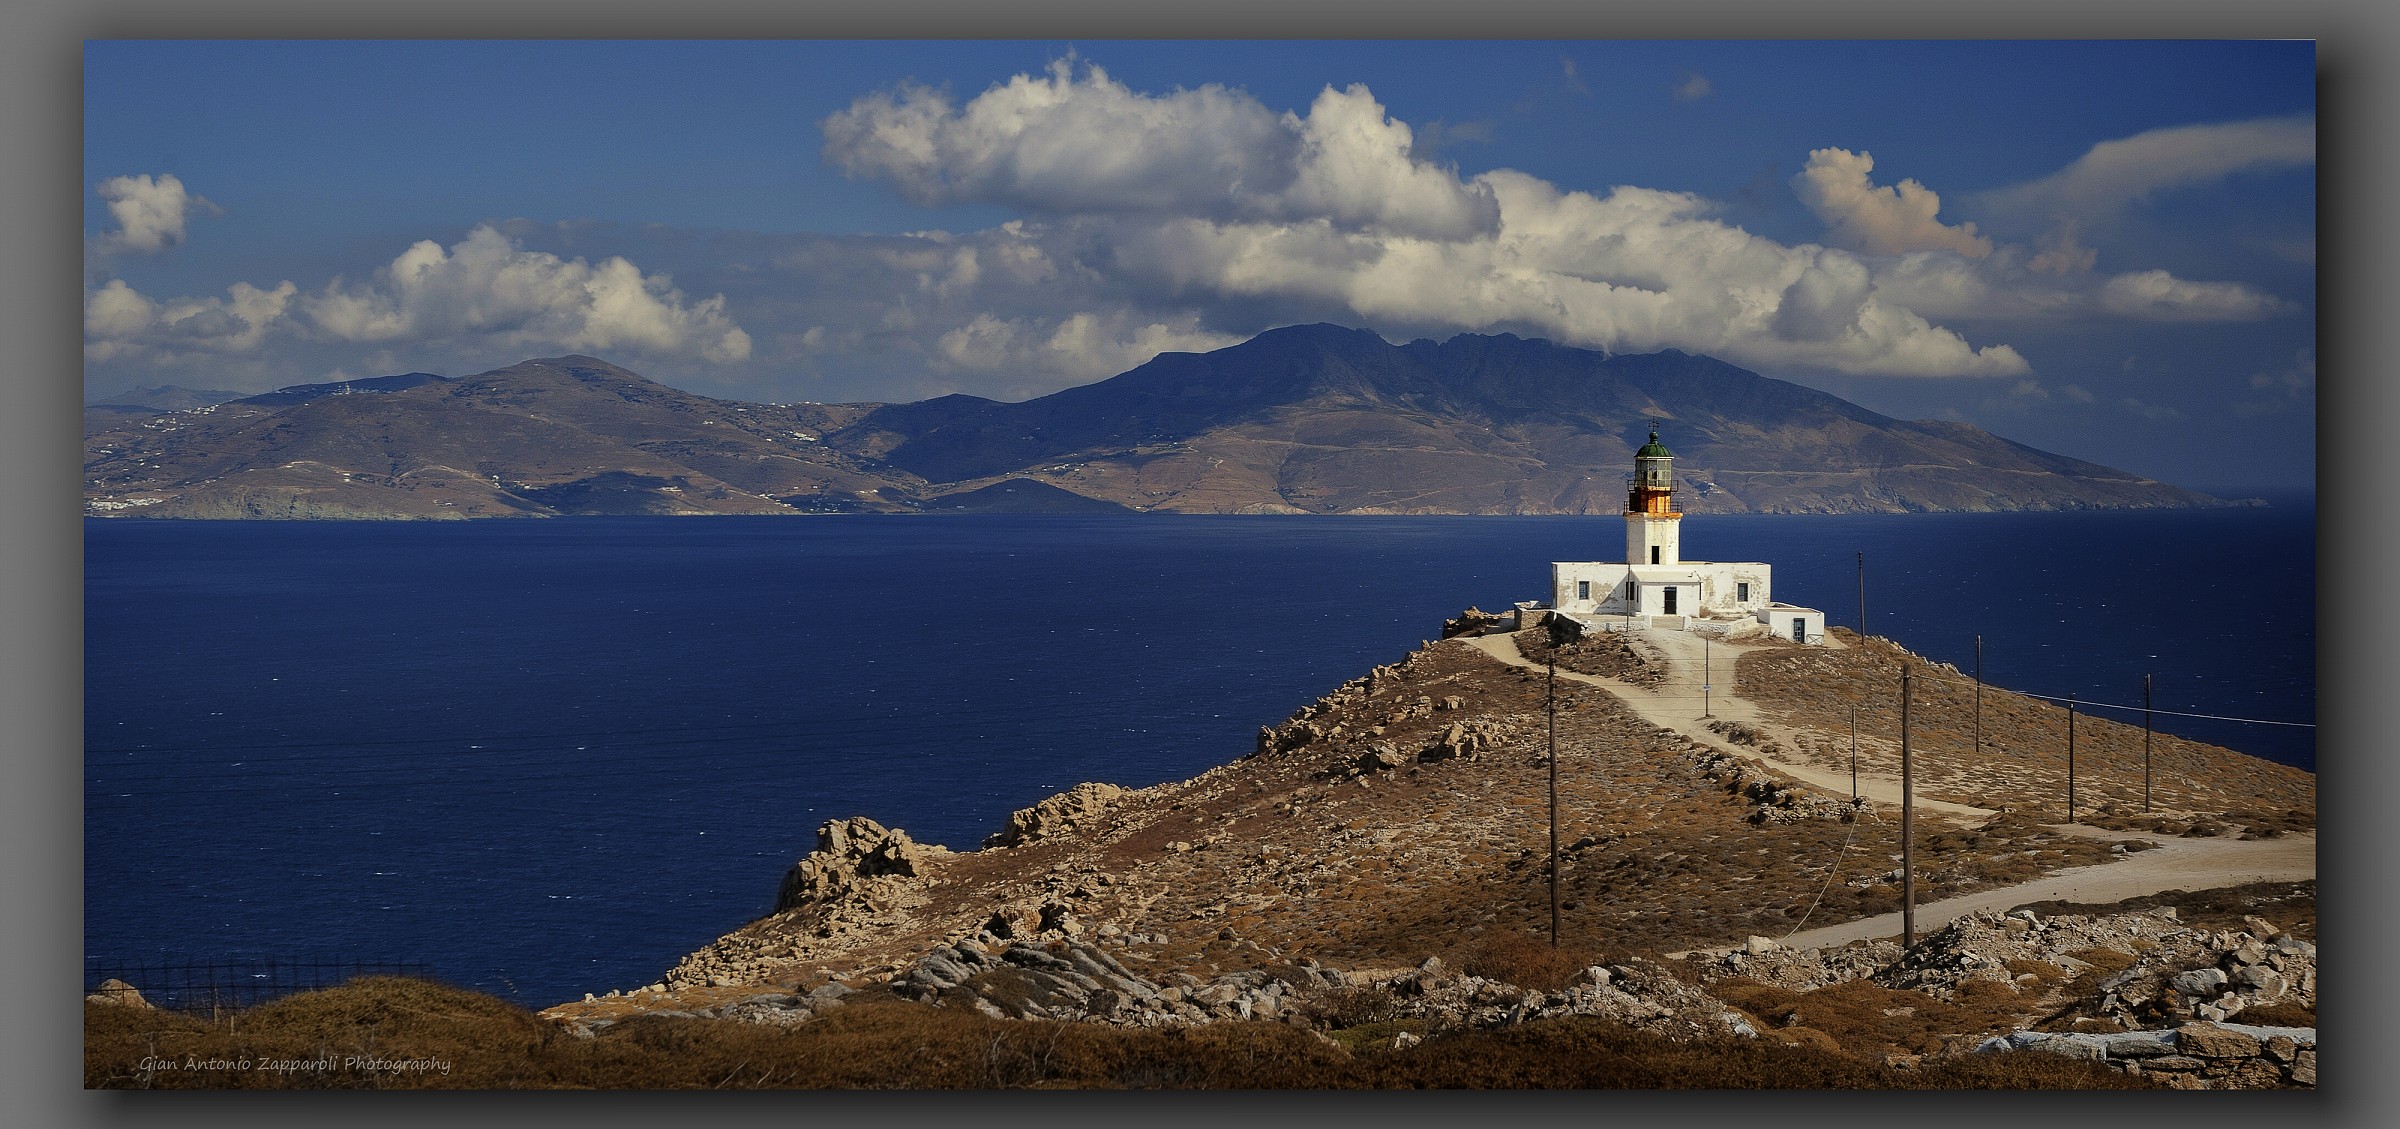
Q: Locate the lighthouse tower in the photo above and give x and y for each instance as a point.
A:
(1653, 526)
(1656, 589)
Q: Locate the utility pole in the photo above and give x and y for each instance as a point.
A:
(1707, 675)
(1854, 756)
(2070, 758)
(1979, 696)
(2145, 743)
(1908, 838)
(1862, 593)
(1553, 706)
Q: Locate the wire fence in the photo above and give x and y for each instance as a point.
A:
(212, 987)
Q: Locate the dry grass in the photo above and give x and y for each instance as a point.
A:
(2289, 906)
(1866, 1018)
(2022, 763)
(894, 1044)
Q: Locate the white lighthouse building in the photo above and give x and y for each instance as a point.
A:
(1655, 588)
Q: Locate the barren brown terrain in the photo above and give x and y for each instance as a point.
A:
(1399, 824)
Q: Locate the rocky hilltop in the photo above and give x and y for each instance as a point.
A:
(1308, 419)
(1376, 870)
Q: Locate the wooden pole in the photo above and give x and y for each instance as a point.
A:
(1908, 839)
(2145, 743)
(1979, 695)
(2070, 758)
(1553, 705)
(1854, 756)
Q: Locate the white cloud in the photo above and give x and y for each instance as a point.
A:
(1877, 220)
(486, 284)
(483, 287)
(1690, 86)
(1633, 270)
(1082, 346)
(151, 212)
(1202, 204)
(121, 322)
(1063, 144)
(2114, 174)
(2158, 296)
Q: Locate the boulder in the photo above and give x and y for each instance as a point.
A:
(850, 853)
(2207, 1040)
(117, 993)
(1072, 810)
(2200, 983)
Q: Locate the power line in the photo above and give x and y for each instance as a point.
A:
(2170, 713)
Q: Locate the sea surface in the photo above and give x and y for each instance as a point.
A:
(551, 757)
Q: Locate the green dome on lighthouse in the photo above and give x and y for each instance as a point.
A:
(1653, 449)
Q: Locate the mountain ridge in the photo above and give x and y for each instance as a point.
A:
(1303, 419)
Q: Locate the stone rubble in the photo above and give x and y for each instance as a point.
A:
(2195, 1056)
(2166, 1008)
(1070, 980)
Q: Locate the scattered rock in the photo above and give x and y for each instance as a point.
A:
(1075, 809)
(116, 993)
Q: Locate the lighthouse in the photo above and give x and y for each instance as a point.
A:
(1654, 588)
(1653, 526)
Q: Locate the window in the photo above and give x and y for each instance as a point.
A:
(1653, 554)
(1741, 592)
(1583, 589)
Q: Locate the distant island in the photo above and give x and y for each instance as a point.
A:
(1313, 419)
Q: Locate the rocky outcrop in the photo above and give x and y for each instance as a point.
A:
(852, 853)
(1075, 809)
(1476, 621)
(1773, 799)
(117, 993)
(2195, 1056)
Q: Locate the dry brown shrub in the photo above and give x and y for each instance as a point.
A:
(2281, 1013)
(882, 1043)
(1526, 961)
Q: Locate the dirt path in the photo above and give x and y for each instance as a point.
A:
(2177, 864)
(1677, 704)
(1679, 701)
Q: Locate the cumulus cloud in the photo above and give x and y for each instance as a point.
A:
(1061, 143)
(119, 321)
(483, 287)
(2114, 174)
(2159, 296)
(1635, 269)
(486, 284)
(151, 212)
(1690, 86)
(1084, 346)
(1877, 220)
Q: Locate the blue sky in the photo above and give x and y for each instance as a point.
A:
(888, 221)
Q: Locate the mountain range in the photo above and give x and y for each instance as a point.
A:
(1315, 419)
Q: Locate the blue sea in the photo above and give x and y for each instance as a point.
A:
(551, 757)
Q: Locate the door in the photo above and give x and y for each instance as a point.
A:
(1799, 629)
(1670, 601)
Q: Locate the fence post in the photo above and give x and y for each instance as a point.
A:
(1908, 839)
